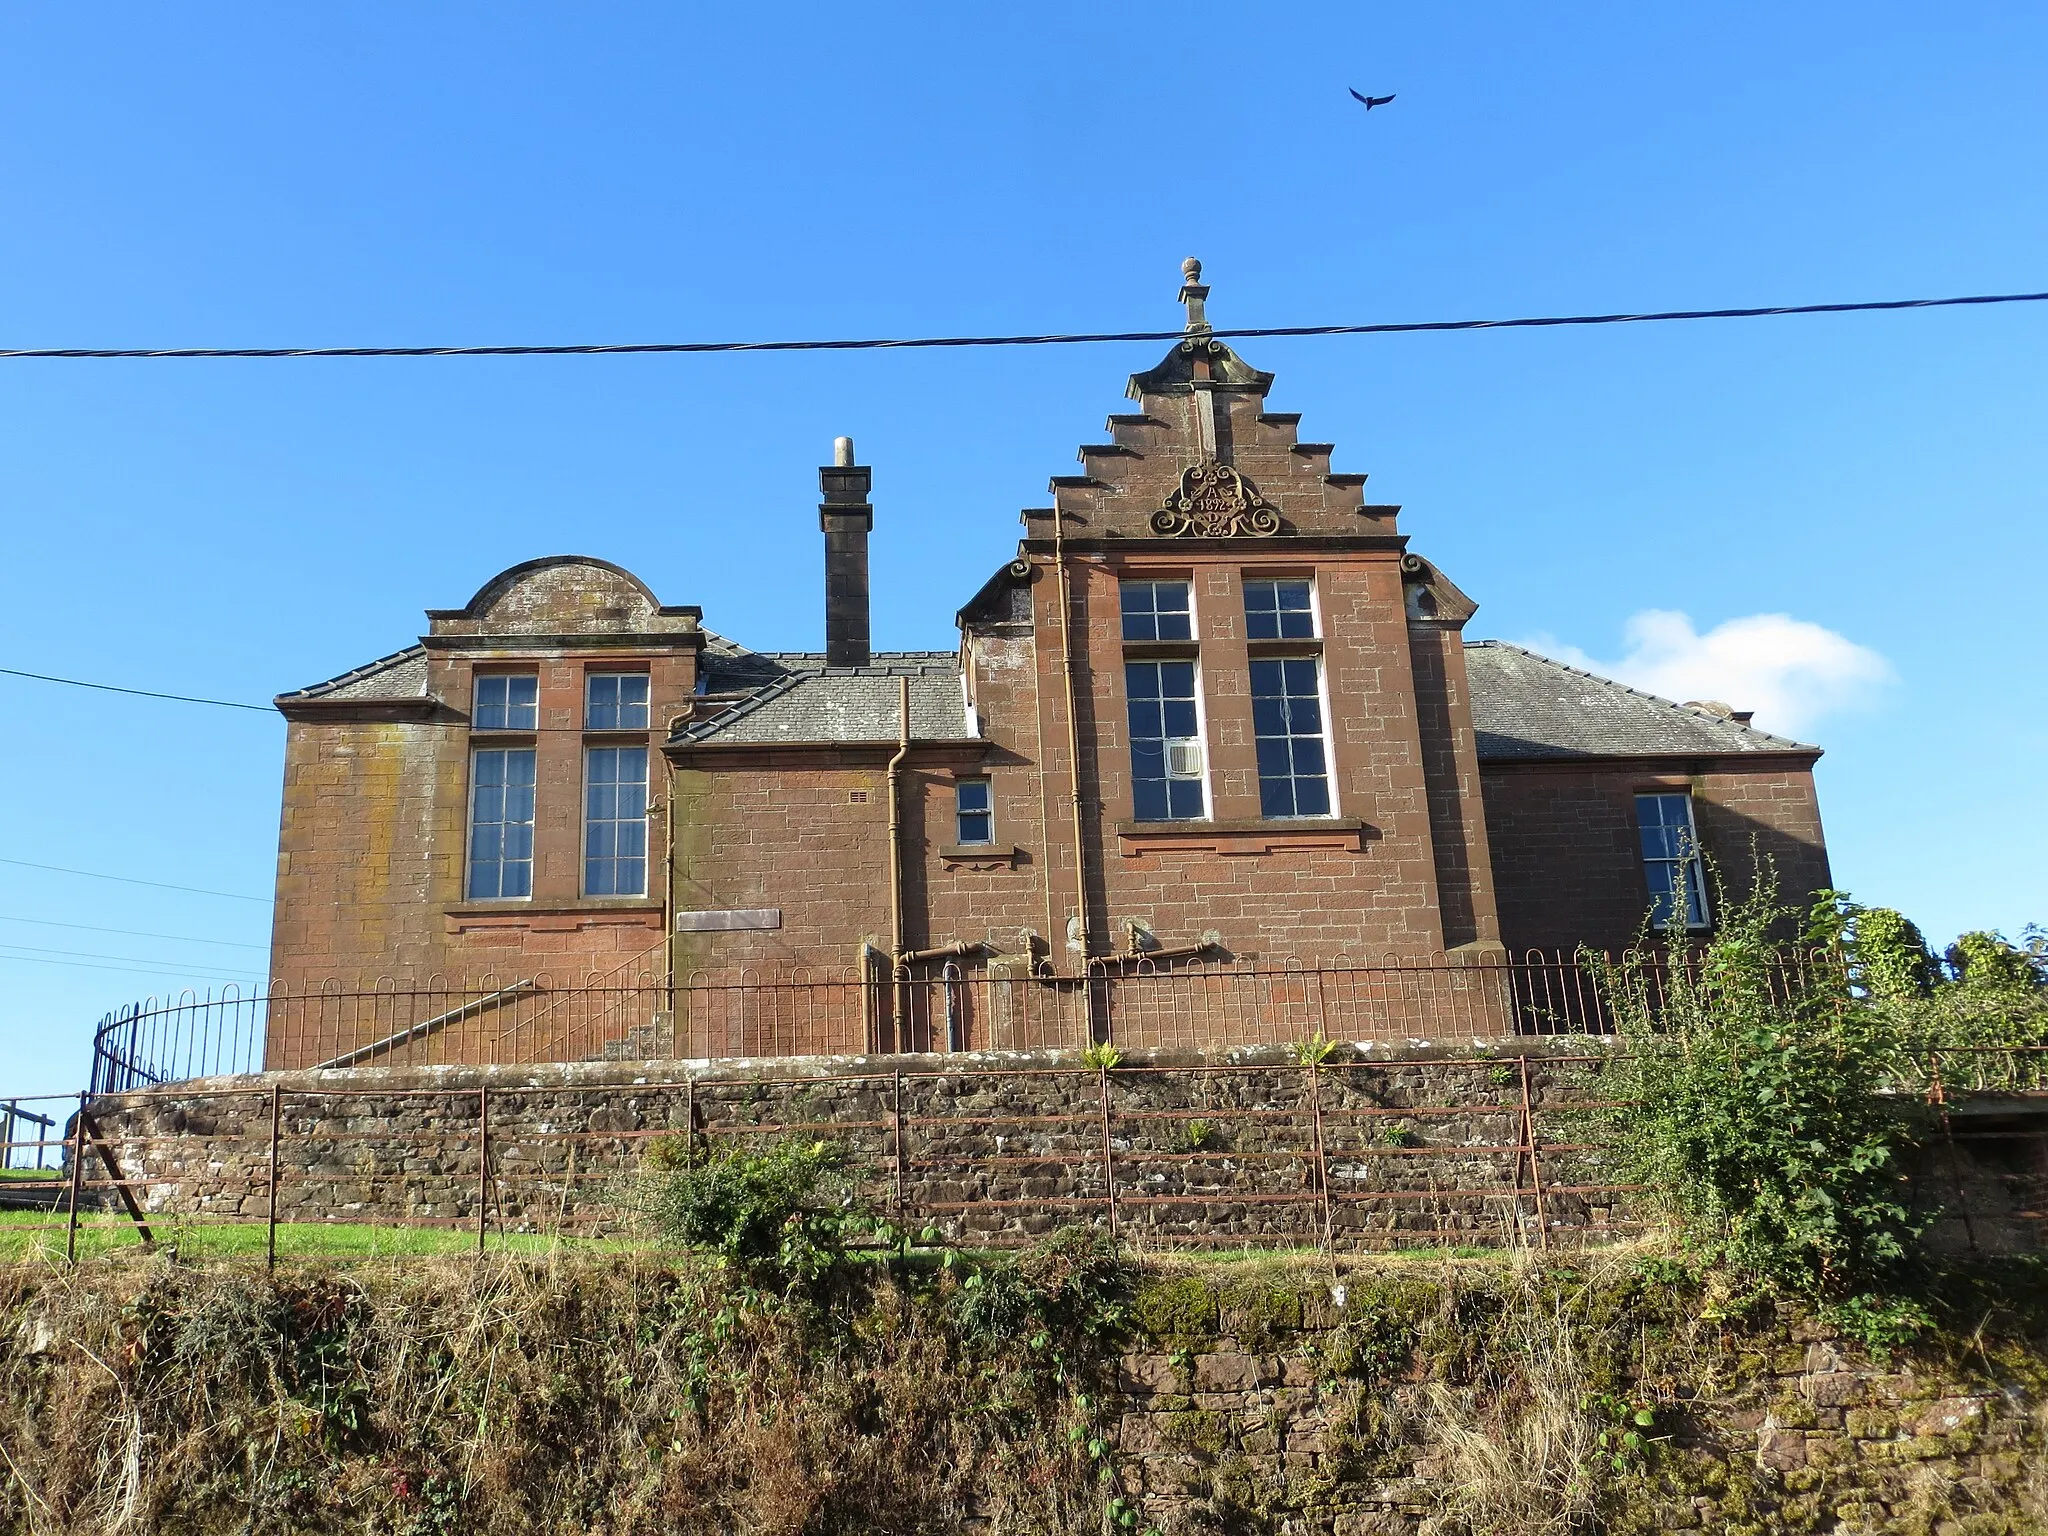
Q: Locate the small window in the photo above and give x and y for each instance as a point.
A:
(615, 821)
(501, 824)
(1671, 860)
(1157, 610)
(974, 818)
(506, 701)
(1278, 610)
(615, 701)
(1166, 741)
(1287, 728)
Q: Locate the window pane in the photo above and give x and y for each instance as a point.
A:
(1156, 610)
(1671, 864)
(1287, 721)
(973, 812)
(1278, 610)
(1166, 751)
(615, 701)
(506, 701)
(500, 819)
(615, 819)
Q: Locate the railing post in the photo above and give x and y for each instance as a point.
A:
(483, 1165)
(1108, 1155)
(1315, 1109)
(900, 1151)
(270, 1217)
(77, 1174)
(1938, 1094)
(1535, 1165)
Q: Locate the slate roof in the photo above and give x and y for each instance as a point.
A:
(1526, 707)
(401, 675)
(805, 700)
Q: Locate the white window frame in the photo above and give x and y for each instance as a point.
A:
(1199, 741)
(1194, 614)
(1688, 862)
(646, 704)
(469, 891)
(644, 820)
(988, 784)
(478, 678)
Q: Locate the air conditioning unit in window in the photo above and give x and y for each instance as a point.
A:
(1183, 757)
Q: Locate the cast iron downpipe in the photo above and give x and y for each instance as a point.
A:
(896, 988)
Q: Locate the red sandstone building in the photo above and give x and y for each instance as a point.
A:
(1215, 717)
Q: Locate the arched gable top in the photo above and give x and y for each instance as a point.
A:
(564, 595)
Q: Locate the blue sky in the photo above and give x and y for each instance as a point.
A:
(221, 175)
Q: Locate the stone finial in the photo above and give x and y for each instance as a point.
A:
(1194, 294)
(842, 452)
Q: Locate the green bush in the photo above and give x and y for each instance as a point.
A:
(783, 1210)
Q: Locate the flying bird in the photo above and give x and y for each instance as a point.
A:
(1371, 101)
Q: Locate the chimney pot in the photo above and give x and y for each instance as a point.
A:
(842, 452)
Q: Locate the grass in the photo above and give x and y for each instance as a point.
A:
(53, 1175)
(33, 1236)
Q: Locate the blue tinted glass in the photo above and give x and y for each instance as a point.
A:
(973, 812)
(615, 820)
(1671, 865)
(1166, 755)
(1278, 610)
(1287, 722)
(615, 701)
(501, 821)
(506, 701)
(1156, 610)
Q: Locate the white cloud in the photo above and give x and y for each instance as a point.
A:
(1789, 671)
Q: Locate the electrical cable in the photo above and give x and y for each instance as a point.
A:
(136, 970)
(903, 343)
(140, 693)
(25, 950)
(93, 874)
(133, 933)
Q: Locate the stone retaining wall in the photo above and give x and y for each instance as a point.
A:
(1412, 1147)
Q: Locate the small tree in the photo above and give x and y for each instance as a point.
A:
(1751, 1100)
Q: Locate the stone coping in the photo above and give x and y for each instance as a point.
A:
(678, 1071)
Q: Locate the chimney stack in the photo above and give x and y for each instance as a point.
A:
(846, 518)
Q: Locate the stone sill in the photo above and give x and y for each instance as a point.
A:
(980, 856)
(554, 917)
(1136, 839)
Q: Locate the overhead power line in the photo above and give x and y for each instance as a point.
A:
(140, 693)
(25, 951)
(134, 970)
(905, 343)
(93, 874)
(133, 933)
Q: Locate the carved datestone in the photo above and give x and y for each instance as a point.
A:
(1216, 502)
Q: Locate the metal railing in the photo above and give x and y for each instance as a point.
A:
(1129, 1001)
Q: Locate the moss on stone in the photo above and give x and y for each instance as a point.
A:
(1177, 1308)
